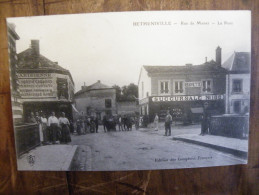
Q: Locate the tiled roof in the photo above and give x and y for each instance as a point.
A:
(96, 86)
(238, 62)
(207, 66)
(27, 59)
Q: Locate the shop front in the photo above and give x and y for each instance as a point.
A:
(186, 109)
(47, 108)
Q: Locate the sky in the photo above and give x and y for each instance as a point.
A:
(112, 47)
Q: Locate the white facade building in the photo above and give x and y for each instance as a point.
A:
(238, 83)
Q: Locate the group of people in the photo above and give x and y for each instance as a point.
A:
(109, 122)
(90, 124)
(52, 130)
(126, 122)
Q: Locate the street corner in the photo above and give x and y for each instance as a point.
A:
(47, 158)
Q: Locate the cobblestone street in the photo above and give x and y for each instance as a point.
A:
(144, 149)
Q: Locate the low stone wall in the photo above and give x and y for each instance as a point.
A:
(27, 137)
(236, 126)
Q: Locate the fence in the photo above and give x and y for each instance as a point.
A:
(236, 126)
(27, 137)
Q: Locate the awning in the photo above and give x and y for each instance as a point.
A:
(74, 109)
(198, 110)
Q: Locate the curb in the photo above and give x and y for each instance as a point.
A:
(66, 166)
(238, 153)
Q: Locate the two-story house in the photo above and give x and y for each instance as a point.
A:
(238, 83)
(44, 85)
(97, 99)
(182, 89)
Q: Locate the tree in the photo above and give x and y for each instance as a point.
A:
(126, 93)
(118, 92)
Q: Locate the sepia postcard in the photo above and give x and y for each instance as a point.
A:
(130, 90)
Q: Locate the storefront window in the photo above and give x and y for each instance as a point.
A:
(164, 87)
(207, 86)
(237, 86)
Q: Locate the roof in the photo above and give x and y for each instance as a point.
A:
(11, 29)
(238, 62)
(96, 86)
(210, 66)
(27, 61)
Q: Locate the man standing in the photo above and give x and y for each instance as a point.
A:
(105, 123)
(53, 124)
(96, 124)
(120, 123)
(168, 122)
(205, 119)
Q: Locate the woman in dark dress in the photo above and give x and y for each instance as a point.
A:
(65, 131)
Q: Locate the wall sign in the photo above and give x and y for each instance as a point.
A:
(36, 85)
(192, 84)
(187, 98)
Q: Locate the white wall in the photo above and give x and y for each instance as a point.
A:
(147, 84)
(244, 96)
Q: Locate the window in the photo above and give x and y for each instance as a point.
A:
(62, 88)
(108, 103)
(178, 87)
(164, 87)
(237, 86)
(237, 106)
(207, 86)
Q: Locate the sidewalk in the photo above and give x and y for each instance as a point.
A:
(237, 147)
(48, 157)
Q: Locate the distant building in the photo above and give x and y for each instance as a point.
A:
(182, 89)
(97, 99)
(44, 85)
(238, 83)
(14, 84)
(127, 107)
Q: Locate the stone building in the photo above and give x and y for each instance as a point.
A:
(182, 89)
(44, 85)
(238, 83)
(96, 99)
(14, 85)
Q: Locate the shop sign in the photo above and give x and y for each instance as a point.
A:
(36, 88)
(192, 84)
(33, 75)
(187, 98)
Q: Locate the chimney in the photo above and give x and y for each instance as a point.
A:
(35, 47)
(206, 60)
(99, 81)
(36, 51)
(218, 56)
